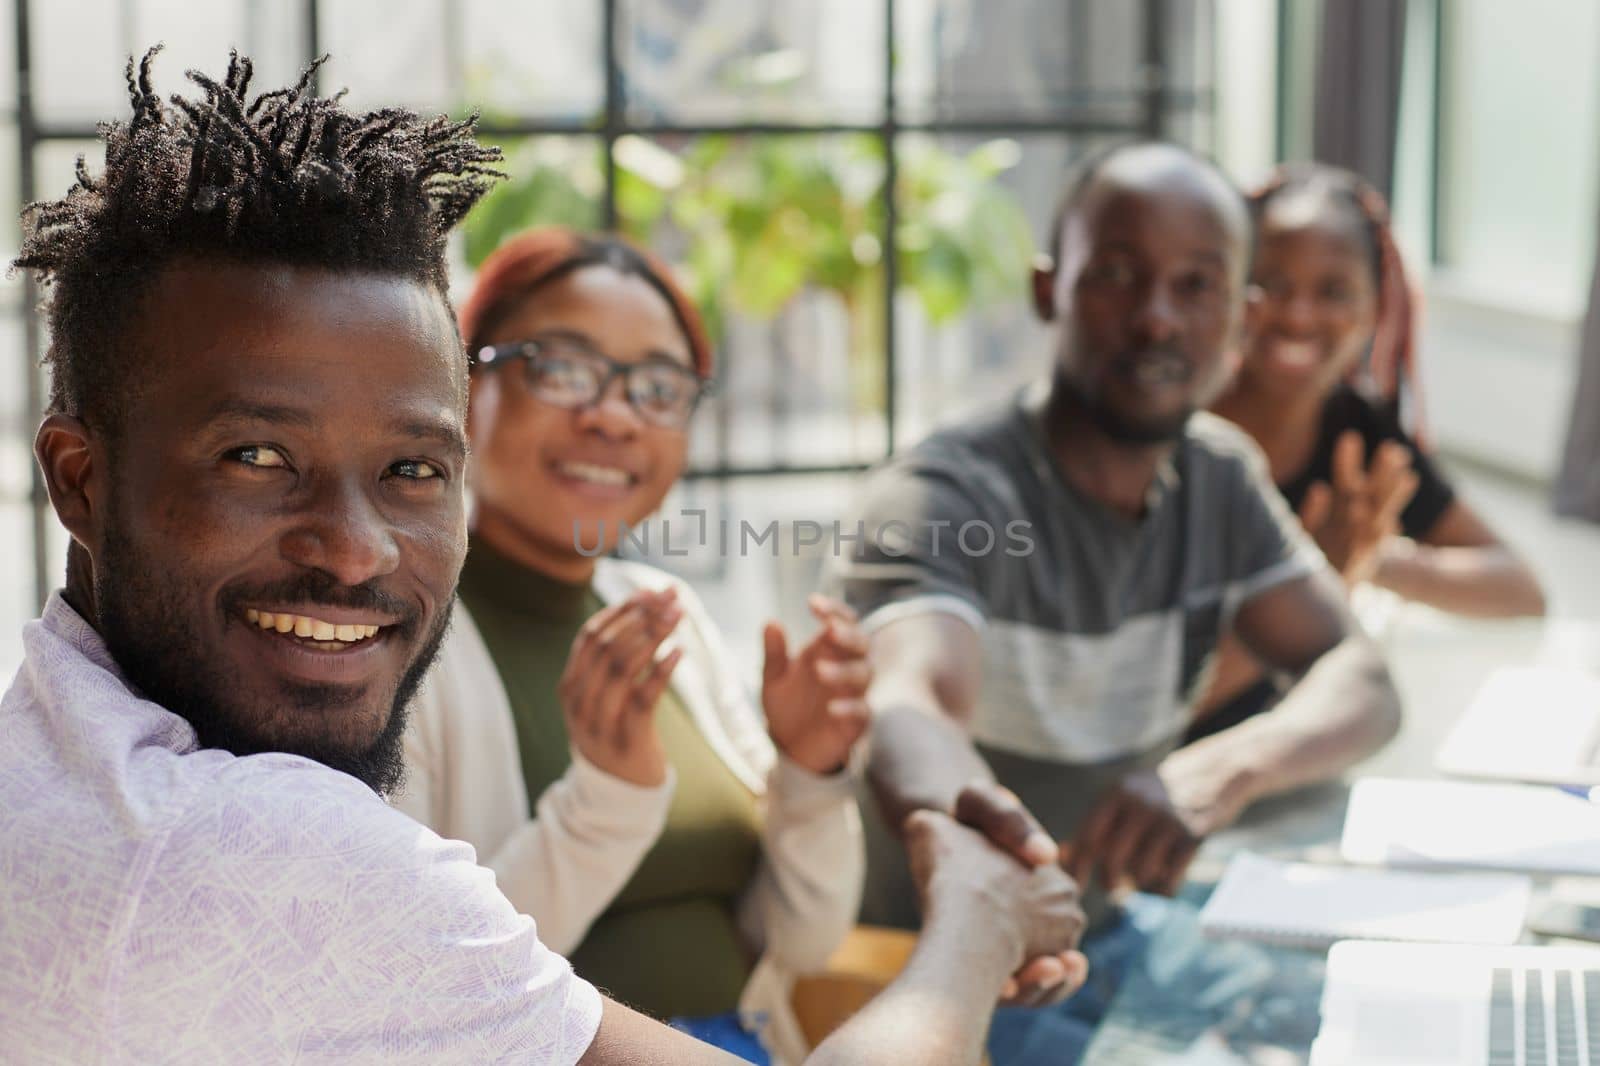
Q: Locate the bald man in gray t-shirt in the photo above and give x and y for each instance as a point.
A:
(1129, 534)
(1095, 630)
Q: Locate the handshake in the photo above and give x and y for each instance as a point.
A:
(989, 873)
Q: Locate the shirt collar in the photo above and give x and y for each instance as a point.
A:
(63, 620)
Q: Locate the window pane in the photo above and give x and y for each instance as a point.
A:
(80, 48)
(16, 582)
(715, 61)
(974, 212)
(743, 573)
(533, 58)
(393, 55)
(551, 181)
(55, 165)
(10, 206)
(8, 62)
(1519, 161)
(1024, 58)
(1044, 58)
(778, 239)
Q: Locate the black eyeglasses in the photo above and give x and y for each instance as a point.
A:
(566, 372)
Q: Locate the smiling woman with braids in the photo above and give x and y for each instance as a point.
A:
(1326, 383)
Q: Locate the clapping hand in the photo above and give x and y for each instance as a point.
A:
(1351, 518)
(612, 682)
(816, 700)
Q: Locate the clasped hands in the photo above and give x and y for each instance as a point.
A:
(1142, 833)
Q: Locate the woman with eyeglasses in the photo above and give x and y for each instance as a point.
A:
(1327, 386)
(584, 727)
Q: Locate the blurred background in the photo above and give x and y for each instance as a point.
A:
(854, 189)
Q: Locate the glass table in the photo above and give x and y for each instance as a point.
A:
(1194, 1001)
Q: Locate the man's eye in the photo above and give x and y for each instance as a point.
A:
(261, 456)
(416, 470)
(1113, 274)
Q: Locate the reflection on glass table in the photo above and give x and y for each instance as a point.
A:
(1193, 1001)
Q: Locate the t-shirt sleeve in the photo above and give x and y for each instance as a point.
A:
(1268, 546)
(295, 912)
(907, 558)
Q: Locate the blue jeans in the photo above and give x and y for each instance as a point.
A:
(725, 1031)
(1059, 1035)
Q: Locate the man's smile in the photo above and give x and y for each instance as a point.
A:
(323, 645)
(316, 629)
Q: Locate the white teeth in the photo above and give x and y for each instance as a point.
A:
(598, 475)
(310, 628)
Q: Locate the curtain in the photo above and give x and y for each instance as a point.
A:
(1357, 110)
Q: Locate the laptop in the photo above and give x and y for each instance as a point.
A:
(1388, 1004)
(1536, 723)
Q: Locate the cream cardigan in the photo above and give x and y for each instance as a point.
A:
(590, 831)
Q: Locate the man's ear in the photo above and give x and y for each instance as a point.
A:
(1044, 287)
(64, 448)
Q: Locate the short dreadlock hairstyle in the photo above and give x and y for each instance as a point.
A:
(289, 178)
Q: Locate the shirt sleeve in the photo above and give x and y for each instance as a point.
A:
(907, 559)
(1268, 546)
(293, 916)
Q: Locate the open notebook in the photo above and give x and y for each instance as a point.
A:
(1302, 905)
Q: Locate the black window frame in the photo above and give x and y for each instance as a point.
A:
(1157, 104)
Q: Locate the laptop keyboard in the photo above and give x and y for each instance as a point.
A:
(1544, 1018)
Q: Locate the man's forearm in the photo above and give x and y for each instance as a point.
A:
(920, 759)
(1342, 710)
(937, 1011)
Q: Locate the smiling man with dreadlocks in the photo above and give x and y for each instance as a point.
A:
(256, 441)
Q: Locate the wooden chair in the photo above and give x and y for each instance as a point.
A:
(865, 963)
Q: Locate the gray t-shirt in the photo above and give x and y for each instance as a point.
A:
(1097, 630)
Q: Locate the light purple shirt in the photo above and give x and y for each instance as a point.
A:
(164, 903)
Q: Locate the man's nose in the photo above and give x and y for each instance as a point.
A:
(1157, 316)
(344, 534)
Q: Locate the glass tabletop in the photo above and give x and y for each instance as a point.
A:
(1192, 1001)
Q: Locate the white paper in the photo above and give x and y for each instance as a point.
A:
(1300, 903)
(1531, 828)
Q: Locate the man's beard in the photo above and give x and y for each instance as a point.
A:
(1119, 429)
(140, 618)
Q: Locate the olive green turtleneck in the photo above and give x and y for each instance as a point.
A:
(669, 943)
